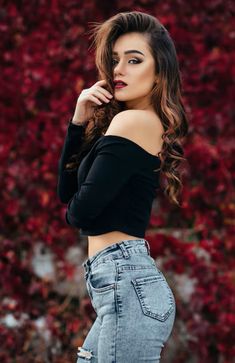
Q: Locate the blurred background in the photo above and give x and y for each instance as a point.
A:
(45, 312)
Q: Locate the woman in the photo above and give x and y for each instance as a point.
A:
(125, 133)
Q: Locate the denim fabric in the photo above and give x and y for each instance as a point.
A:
(134, 304)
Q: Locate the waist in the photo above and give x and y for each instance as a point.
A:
(99, 242)
(124, 247)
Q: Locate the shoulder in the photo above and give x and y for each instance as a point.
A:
(124, 120)
(140, 126)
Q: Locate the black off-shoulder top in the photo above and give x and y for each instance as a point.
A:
(112, 189)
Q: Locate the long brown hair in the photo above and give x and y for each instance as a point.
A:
(165, 95)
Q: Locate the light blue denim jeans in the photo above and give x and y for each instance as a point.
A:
(134, 304)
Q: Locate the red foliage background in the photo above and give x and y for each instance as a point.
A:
(45, 312)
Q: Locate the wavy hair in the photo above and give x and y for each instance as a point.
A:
(165, 96)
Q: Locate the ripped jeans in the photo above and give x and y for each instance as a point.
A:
(134, 304)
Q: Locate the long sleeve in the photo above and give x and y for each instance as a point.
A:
(116, 160)
(67, 180)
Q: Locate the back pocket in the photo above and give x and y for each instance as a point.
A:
(155, 296)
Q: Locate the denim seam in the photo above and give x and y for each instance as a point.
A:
(136, 267)
(118, 303)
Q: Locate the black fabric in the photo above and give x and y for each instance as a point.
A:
(113, 187)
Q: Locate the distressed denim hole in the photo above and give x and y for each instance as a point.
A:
(84, 353)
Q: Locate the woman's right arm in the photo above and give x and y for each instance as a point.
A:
(67, 180)
(86, 102)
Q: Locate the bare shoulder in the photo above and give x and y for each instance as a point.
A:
(141, 126)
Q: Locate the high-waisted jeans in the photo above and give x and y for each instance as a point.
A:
(134, 304)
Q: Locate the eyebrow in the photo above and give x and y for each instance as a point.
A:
(130, 51)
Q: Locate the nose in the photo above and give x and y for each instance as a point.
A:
(119, 69)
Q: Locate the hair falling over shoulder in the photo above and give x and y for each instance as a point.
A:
(165, 96)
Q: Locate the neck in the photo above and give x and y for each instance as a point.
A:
(142, 104)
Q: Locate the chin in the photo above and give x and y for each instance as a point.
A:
(121, 99)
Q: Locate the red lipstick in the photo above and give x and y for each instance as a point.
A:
(119, 83)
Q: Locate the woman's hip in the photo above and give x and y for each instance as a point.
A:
(124, 280)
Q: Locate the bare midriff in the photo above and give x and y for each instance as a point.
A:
(101, 241)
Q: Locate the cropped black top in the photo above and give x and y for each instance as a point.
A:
(113, 187)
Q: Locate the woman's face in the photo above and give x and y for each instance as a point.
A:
(135, 69)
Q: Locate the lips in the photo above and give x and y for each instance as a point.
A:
(119, 81)
(119, 84)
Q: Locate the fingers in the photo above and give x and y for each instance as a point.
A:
(95, 99)
(104, 91)
(96, 93)
(99, 85)
(102, 95)
(102, 81)
(101, 92)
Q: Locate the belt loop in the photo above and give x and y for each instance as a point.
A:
(148, 246)
(86, 266)
(124, 249)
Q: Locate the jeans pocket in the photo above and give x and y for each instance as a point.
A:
(102, 278)
(155, 296)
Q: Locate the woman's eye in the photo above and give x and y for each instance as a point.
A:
(130, 60)
(135, 60)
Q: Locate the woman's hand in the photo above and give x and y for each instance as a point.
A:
(88, 100)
